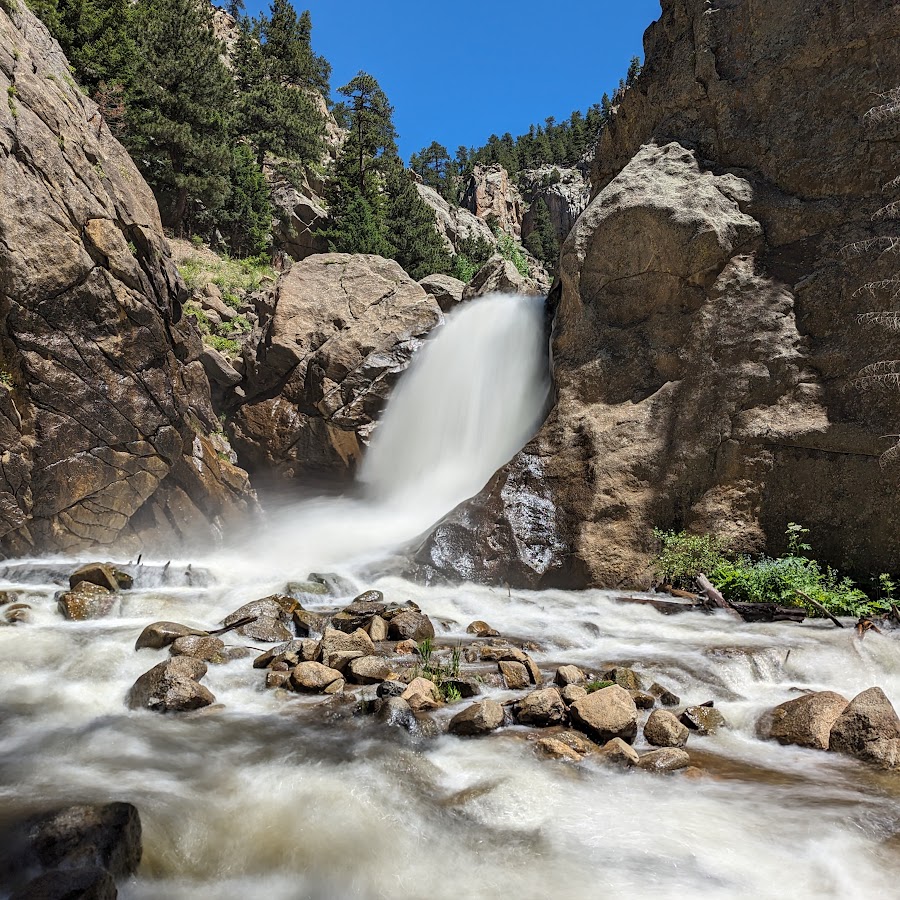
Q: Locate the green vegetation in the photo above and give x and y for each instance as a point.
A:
(228, 346)
(232, 277)
(542, 242)
(440, 674)
(592, 686)
(792, 579)
(509, 249)
(6, 378)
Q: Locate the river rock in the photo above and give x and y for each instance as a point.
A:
(279, 678)
(619, 752)
(314, 677)
(336, 585)
(448, 291)
(566, 675)
(578, 742)
(422, 694)
(105, 835)
(553, 748)
(606, 714)
(369, 670)
(643, 700)
(391, 688)
(481, 629)
(377, 629)
(309, 623)
(160, 634)
(359, 613)
(335, 644)
(502, 653)
(515, 675)
(171, 686)
(207, 648)
(624, 677)
(87, 601)
(103, 574)
(534, 673)
(83, 883)
(805, 721)
(290, 653)
(572, 692)
(868, 729)
(466, 687)
(324, 369)
(410, 625)
(479, 718)
(668, 759)
(397, 712)
(271, 619)
(663, 694)
(703, 719)
(543, 708)
(662, 729)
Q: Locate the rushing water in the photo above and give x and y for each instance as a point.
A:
(281, 797)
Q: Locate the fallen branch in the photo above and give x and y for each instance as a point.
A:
(712, 593)
(666, 607)
(818, 606)
(239, 624)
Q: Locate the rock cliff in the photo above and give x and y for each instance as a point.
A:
(565, 191)
(107, 434)
(705, 339)
(490, 196)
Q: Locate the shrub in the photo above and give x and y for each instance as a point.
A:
(684, 556)
(225, 345)
(510, 250)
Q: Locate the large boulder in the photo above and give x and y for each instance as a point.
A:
(868, 729)
(705, 335)
(805, 721)
(298, 218)
(105, 420)
(448, 291)
(479, 718)
(171, 686)
(606, 714)
(343, 328)
(499, 276)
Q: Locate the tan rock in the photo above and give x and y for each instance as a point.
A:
(606, 714)
(479, 718)
(662, 729)
(313, 677)
(556, 749)
(377, 629)
(421, 694)
(171, 686)
(568, 675)
(572, 692)
(160, 634)
(87, 601)
(481, 629)
(669, 759)
(490, 195)
(515, 675)
(335, 643)
(543, 708)
(209, 649)
(868, 729)
(446, 290)
(805, 721)
(702, 719)
(619, 752)
(369, 670)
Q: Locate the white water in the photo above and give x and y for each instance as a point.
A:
(272, 799)
(474, 395)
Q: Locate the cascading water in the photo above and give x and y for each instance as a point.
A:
(473, 395)
(278, 796)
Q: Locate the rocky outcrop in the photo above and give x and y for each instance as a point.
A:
(448, 291)
(705, 337)
(492, 197)
(298, 219)
(105, 419)
(343, 328)
(454, 223)
(565, 191)
(500, 276)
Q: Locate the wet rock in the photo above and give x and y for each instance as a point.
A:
(397, 712)
(578, 742)
(534, 673)
(316, 588)
(606, 714)
(87, 601)
(663, 694)
(619, 752)
(868, 729)
(668, 759)
(369, 670)
(335, 584)
(308, 623)
(209, 649)
(272, 615)
(335, 644)
(102, 574)
(568, 675)
(359, 613)
(572, 692)
(624, 677)
(556, 749)
(313, 677)
(160, 634)
(466, 687)
(703, 719)
(643, 700)
(171, 686)
(335, 687)
(278, 678)
(543, 708)
(295, 652)
(391, 688)
(479, 718)
(87, 883)
(105, 835)
(663, 729)
(481, 629)
(422, 694)
(377, 629)
(805, 721)
(410, 625)
(406, 648)
(502, 653)
(515, 675)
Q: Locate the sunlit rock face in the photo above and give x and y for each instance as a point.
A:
(705, 338)
(107, 434)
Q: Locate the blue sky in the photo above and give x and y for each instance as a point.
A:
(456, 72)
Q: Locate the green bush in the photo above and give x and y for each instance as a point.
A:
(225, 345)
(684, 556)
(510, 250)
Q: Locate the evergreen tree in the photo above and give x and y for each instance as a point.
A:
(246, 217)
(360, 228)
(179, 109)
(634, 69)
(542, 241)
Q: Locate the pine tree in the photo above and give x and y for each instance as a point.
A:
(634, 69)
(434, 165)
(360, 228)
(179, 108)
(246, 217)
(542, 241)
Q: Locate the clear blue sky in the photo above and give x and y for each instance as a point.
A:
(456, 72)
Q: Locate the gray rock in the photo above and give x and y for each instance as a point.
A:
(218, 368)
(668, 759)
(619, 752)
(446, 290)
(544, 708)
(702, 719)
(566, 675)
(86, 883)
(209, 649)
(272, 616)
(477, 719)
(572, 692)
(335, 643)
(410, 625)
(369, 670)
(868, 729)
(161, 634)
(390, 689)
(499, 276)
(171, 686)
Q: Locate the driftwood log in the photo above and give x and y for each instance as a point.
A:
(751, 612)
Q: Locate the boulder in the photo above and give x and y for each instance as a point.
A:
(619, 752)
(391, 688)
(477, 719)
(108, 424)
(313, 677)
(703, 719)
(555, 749)
(624, 677)
(309, 623)
(377, 629)
(87, 601)
(395, 711)
(410, 625)
(481, 629)
(291, 652)
(271, 618)
(663, 694)
(369, 670)
(805, 721)
(544, 708)
(534, 673)
(207, 648)
(448, 291)
(499, 276)
(359, 613)
(515, 675)
(578, 742)
(160, 634)
(572, 692)
(566, 675)
(335, 644)
(643, 700)
(868, 729)
(298, 218)
(102, 574)
(323, 370)
(662, 729)
(83, 883)
(669, 759)
(455, 224)
(606, 714)
(171, 686)
(422, 694)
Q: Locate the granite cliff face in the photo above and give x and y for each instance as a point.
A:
(107, 434)
(705, 338)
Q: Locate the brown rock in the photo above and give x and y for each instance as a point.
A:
(624, 677)
(643, 700)
(171, 686)
(805, 721)
(502, 654)
(578, 742)
(868, 729)
(489, 194)
(209, 649)
(556, 749)
(606, 714)
(335, 643)
(669, 759)
(479, 718)
(421, 694)
(308, 623)
(305, 650)
(619, 752)
(313, 677)
(534, 673)
(359, 613)
(88, 601)
(663, 694)
(410, 625)
(566, 675)
(370, 670)
(663, 729)
(702, 719)
(272, 617)
(83, 883)
(160, 634)
(515, 675)
(481, 629)
(543, 708)
(406, 648)
(100, 574)
(278, 678)
(572, 692)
